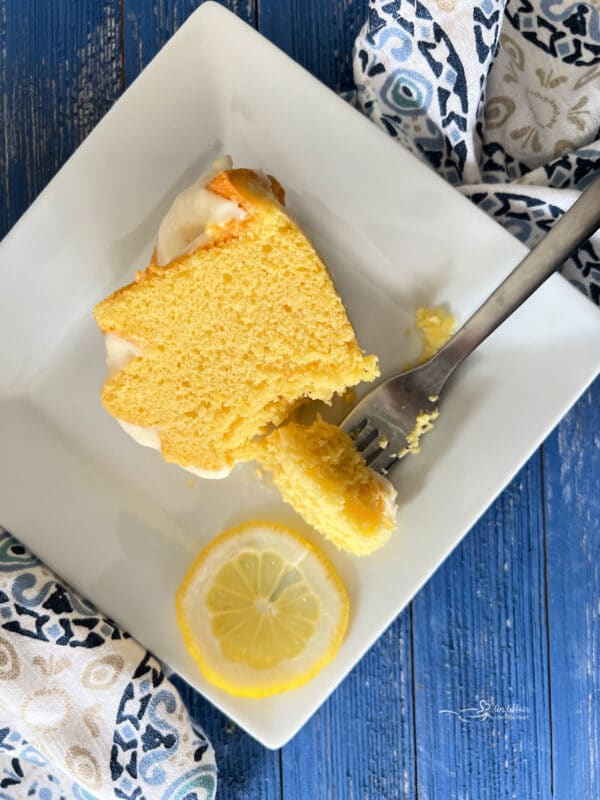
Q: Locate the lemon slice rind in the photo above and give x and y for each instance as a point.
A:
(239, 678)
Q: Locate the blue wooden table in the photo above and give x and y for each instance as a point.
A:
(512, 619)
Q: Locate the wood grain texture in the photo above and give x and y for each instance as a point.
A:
(360, 743)
(480, 637)
(60, 71)
(572, 488)
(149, 24)
(319, 35)
(247, 771)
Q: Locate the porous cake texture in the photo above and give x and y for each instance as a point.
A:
(319, 472)
(232, 337)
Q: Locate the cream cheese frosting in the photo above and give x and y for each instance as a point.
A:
(187, 225)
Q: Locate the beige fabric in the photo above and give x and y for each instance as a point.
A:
(88, 697)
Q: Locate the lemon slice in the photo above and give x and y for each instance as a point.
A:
(261, 610)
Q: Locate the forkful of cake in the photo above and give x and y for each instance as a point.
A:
(388, 422)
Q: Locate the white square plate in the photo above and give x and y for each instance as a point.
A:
(115, 520)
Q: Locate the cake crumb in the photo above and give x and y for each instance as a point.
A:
(436, 325)
(191, 483)
(423, 425)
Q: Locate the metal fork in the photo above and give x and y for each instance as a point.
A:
(382, 422)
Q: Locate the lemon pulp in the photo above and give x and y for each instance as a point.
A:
(262, 610)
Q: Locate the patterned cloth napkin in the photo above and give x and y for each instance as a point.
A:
(501, 98)
(85, 712)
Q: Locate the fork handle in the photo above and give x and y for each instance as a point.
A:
(571, 230)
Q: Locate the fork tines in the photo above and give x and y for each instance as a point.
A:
(378, 443)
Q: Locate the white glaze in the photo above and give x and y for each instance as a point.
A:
(193, 215)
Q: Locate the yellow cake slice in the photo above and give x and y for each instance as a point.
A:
(319, 472)
(224, 341)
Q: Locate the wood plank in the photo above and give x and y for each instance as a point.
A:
(572, 488)
(319, 34)
(149, 24)
(60, 71)
(247, 771)
(360, 743)
(480, 636)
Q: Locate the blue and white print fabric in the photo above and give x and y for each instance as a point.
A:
(500, 97)
(85, 712)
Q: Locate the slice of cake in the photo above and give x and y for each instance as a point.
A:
(319, 472)
(234, 323)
